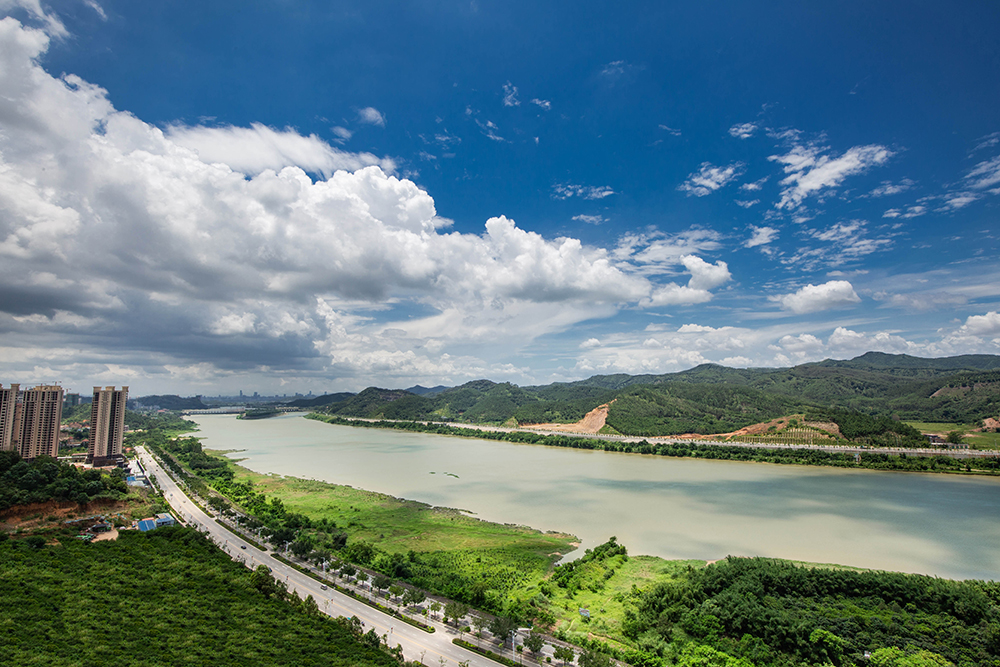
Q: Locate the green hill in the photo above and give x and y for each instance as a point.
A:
(172, 402)
(715, 399)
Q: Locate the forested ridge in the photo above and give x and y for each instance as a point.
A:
(715, 399)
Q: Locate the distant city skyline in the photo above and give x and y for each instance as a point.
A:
(329, 196)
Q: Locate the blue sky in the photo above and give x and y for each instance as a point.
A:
(295, 196)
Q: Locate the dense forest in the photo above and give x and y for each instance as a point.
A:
(715, 399)
(776, 613)
(167, 597)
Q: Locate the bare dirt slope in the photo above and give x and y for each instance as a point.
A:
(989, 424)
(592, 422)
(763, 428)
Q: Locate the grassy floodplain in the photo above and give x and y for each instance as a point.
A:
(398, 525)
(651, 611)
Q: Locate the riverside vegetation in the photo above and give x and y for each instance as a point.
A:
(873, 460)
(646, 611)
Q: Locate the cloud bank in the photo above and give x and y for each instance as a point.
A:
(201, 251)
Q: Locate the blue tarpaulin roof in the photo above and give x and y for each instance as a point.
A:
(147, 524)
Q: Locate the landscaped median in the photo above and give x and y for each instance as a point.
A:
(347, 591)
(239, 531)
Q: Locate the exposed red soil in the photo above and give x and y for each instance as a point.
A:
(592, 422)
(763, 428)
(989, 424)
(17, 514)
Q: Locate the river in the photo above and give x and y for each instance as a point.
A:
(943, 525)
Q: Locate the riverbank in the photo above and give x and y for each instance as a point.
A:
(650, 604)
(648, 608)
(936, 461)
(399, 525)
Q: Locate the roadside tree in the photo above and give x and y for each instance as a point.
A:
(455, 611)
(501, 627)
(380, 582)
(590, 658)
(535, 642)
(478, 622)
(564, 653)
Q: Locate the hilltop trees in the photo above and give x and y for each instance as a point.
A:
(45, 478)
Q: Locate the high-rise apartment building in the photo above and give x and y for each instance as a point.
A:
(8, 414)
(40, 417)
(107, 424)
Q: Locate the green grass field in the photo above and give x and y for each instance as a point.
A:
(607, 604)
(976, 440)
(398, 525)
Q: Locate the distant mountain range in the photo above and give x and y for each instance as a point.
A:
(708, 398)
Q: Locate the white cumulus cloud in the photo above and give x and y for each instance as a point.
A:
(372, 116)
(704, 277)
(253, 149)
(814, 298)
(197, 248)
(982, 325)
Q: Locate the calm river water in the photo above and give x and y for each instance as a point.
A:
(673, 508)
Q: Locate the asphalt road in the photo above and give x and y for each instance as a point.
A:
(417, 644)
